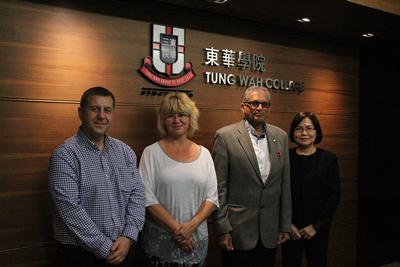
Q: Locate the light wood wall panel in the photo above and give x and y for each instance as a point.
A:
(50, 55)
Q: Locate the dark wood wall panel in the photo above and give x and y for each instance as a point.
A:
(61, 57)
(50, 55)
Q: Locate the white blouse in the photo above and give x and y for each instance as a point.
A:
(180, 187)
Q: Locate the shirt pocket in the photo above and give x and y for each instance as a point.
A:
(125, 182)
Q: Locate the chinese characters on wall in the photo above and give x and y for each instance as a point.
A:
(243, 60)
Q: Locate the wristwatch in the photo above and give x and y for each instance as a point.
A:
(130, 240)
(316, 227)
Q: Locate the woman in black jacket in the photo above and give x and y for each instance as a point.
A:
(315, 187)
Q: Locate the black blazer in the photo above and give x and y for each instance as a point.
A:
(315, 187)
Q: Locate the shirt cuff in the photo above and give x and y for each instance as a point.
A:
(104, 250)
(130, 233)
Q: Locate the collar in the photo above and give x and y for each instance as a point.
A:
(86, 141)
(251, 129)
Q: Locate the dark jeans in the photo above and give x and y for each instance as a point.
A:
(70, 256)
(256, 257)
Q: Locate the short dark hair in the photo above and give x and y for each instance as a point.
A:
(301, 116)
(95, 91)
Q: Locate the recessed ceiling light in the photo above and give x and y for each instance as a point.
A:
(218, 1)
(305, 20)
(368, 35)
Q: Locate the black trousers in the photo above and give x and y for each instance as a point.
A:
(256, 257)
(70, 256)
(316, 250)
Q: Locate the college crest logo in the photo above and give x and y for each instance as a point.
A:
(167, 66)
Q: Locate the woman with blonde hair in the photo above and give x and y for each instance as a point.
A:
(181, 188)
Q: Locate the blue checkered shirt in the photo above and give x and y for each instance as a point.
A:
(96, 197)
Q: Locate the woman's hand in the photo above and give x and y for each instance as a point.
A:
(295, 235)
(183, 235)
(308, 232)
(187, 245)
(185, 231)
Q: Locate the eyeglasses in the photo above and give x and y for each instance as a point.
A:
(301, 129)
(171, 117)
(256, 104)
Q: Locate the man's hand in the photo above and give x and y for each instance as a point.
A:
(283, 237)
(119, 251)
(225, 241)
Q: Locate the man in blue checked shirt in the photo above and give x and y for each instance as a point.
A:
(97, 194)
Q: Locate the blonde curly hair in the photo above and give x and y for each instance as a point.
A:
(176, 103)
